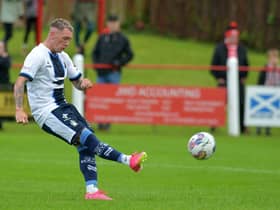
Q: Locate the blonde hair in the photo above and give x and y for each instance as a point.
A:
(61, 24)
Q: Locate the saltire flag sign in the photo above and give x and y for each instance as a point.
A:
(262, 106)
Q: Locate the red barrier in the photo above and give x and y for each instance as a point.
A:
(156, 105)
(168, 67)
(178, 67)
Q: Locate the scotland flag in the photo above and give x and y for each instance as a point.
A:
(262, 106)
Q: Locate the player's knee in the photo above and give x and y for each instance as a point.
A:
(88, 139)
(80, 138)
(84, 135)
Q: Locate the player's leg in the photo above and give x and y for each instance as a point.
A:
(86, 162)
(90, 147)
(66, 123)
(105, 151)
(89, 171)
(96, 147)
(74, 129)
(57, 127)
(88, 168)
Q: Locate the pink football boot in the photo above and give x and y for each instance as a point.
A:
(136, 161)
(99, 195)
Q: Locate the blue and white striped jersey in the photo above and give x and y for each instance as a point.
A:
(46, 72)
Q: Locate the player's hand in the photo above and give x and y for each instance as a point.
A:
(85, 84)
(21, 116)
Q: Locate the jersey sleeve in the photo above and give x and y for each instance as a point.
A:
(31, 65)
(72, 71)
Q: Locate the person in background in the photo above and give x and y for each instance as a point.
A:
(229, 45)
(11, 10)
(112, 48)
(5, 64)
(30, 20)
(270, 76)
(84, 12)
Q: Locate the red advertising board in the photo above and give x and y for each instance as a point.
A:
(156, 105)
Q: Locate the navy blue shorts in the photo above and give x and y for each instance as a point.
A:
(66, 123)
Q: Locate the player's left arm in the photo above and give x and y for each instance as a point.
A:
(74, 75)
(82, 83)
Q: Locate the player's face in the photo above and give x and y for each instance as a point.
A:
(62, 39)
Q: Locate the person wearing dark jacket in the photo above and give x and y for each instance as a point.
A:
(270, 76)
(5, 64)
(231, 45)
(112, 49)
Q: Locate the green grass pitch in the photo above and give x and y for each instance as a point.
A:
(40, 172)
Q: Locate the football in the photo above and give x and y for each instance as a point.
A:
(202, 145)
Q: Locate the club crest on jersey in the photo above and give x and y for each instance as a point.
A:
(73, 123)
(65, 117)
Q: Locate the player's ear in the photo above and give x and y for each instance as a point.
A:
(53, 32)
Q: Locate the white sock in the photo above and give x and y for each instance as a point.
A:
(125, 159)
(91, 188)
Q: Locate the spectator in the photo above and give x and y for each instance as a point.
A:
(270, 76)
(10, 12)
(112, 48)
(231, 45)
(84, 12)
(5, 64)
(30, 20)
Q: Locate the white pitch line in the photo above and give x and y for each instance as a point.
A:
(152, 165)
(216, 168)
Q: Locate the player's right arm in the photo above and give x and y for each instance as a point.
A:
(31, 65)
(21, 116)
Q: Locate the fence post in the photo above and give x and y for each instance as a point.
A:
(101, 15)
(233, 96)
(77, 95)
